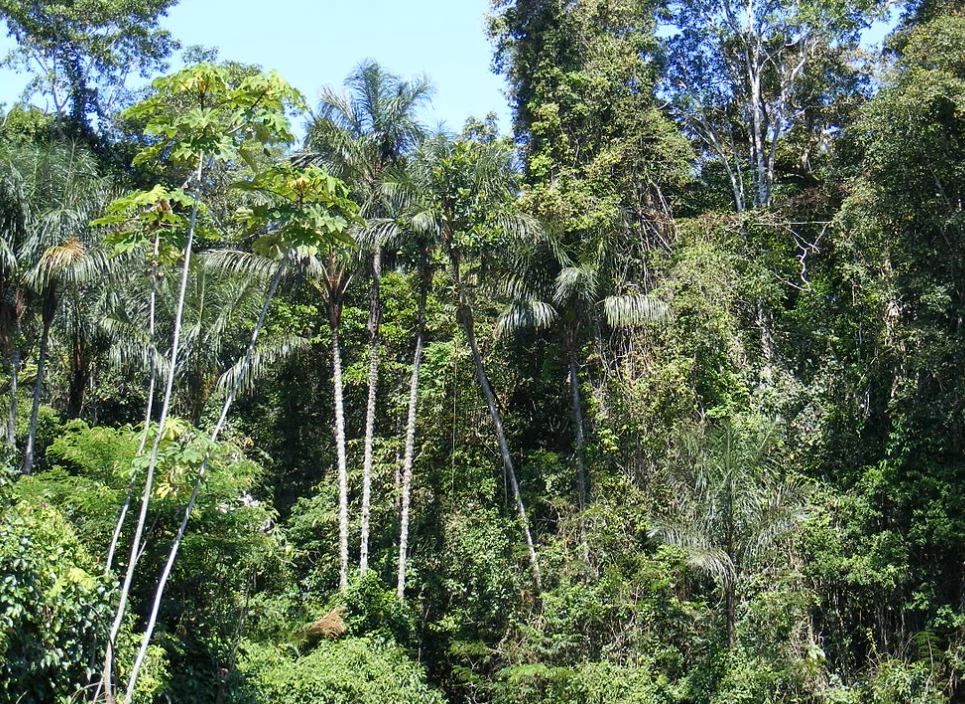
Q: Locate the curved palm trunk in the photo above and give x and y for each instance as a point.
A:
(466, 318)
(28, 453)
(410, 442)
(107, 674)
(219, 426)
(342, 467)
(375, 319)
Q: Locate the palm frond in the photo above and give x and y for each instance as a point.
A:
(576, 283)
(131, 347)
(264, 358)
(238, 263)
(526, 314)
(701, 552)
(633, 309)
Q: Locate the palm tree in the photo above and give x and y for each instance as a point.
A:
(47, 195)
(413, 230)
(590, 285)
(359, 136)
(47, 278)
(467, 202)
(303, 210)
(218, 302)
(331, 275)
(424, 273)
(74, 201)
(732, 504)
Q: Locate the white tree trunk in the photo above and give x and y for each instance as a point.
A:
(375, 319)
(342, 467)
(148, 414)
(410, 445)
(152, 463)
(219, 426)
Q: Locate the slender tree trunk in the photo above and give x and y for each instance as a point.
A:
(79, 375)
(581, 484)
(219, 426)
(730, 605)
(581, 476)
(762, 193)
(152, 463)
(12, 409)
(148, 414)
(28, 453)
(375, 320)
(410, 442)
(342, 468)
(465, 317)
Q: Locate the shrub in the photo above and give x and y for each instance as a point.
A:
(350, 671)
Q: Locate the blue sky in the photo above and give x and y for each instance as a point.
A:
(313, 43)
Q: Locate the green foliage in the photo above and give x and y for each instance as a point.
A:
(350, 671)
(591, 683)
(308, 210)
(143, 216)
(203, 112)
(732, 504)
(476, 574)
(897, 682)
(85, 50)
(759, 414)
(53, 606)
(374, 610)
(26, 124)
(235, 553)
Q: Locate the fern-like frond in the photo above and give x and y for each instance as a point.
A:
(633, 309)
(265, 357)
(526, 314)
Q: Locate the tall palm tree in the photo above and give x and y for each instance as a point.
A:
(47, 195)
(70, 259)
(424, 273)
(732, 504)
(58, 265)
(302, 211)
(468, 190)
(590, 285)
(359, 136)
(331, 274)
